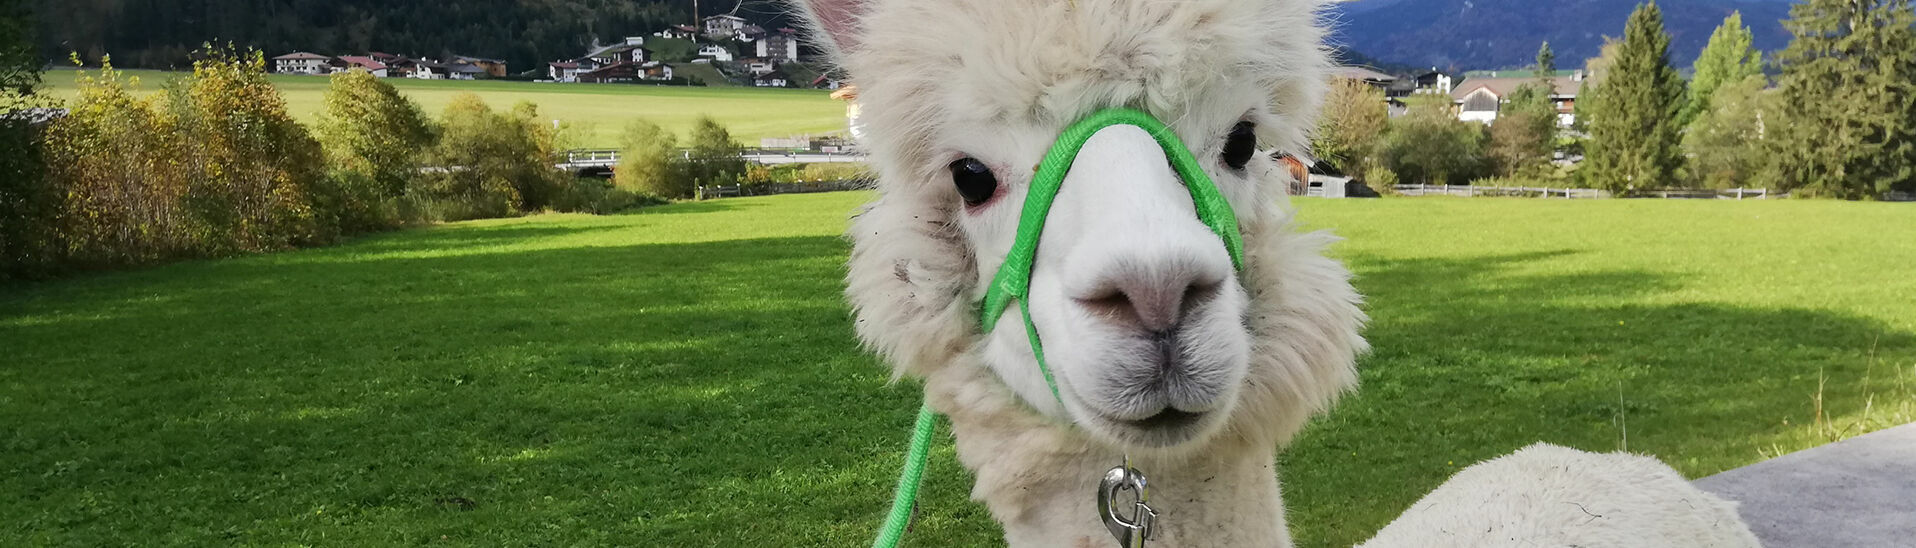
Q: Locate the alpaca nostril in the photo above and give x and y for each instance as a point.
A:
(1151, 307)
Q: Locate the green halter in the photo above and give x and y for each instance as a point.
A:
(1014, 277)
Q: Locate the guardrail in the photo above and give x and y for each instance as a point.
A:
(1577, 193)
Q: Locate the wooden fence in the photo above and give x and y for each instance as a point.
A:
(1576, 193)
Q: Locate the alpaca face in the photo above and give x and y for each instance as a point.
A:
(1142, 318)
(1135, 299)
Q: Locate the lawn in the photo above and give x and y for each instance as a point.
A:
(599, 111)
(686, 375)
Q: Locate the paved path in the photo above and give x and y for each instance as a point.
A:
(1859, 492)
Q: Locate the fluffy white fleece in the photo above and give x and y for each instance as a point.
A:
(1544, 495)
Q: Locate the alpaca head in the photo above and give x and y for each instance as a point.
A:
(1144, 322)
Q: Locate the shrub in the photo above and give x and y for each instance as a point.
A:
(1430, 146)
(374, 139)
(491, 164)
(650, 162)
(599, 196)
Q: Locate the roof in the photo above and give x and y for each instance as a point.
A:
(773, 75)
(686, 28)
(614, 48)
(1361, 73)
(1566, 86)
(564, 64)
(464, 68)
(301, 55)
(363, 61)
(724, 16)
(471, 59)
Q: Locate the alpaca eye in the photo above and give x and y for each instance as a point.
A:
(975, 181)
(1240, 145)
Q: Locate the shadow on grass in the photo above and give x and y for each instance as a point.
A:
(691, 394)
(1473, 360)
(711, 394)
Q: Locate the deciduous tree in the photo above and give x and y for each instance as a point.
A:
(1727, 59)
(374, 139)
(1351, 126)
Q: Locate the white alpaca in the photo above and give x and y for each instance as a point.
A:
(1160, 349)
(1545, 495)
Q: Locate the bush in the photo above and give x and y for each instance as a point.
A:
(650, 162)
(491, 164)
(1430, 146)
(374, 139)
(599, 196)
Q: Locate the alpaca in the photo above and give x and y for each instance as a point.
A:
(1162, 351)
(1545, 495)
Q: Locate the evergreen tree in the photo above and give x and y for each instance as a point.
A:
(1728, 59)
(1633, 131)
(1546, 62)
(1847, 96)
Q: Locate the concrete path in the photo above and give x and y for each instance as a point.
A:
(1859, 492)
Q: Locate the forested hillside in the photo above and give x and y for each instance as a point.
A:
(1490, 34)
(161, 33)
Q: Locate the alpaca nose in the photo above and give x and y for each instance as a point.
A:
(1154, 298)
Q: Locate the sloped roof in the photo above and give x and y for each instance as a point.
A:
(564, 64)
(301, 55)
(1566, 86)
(1361, 73)
(363, 61)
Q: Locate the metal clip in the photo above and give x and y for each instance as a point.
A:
(1131, 531)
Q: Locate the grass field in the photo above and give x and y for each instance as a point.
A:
(600, 111)
(686, 376)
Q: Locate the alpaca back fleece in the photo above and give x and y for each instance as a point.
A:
(1545, 495)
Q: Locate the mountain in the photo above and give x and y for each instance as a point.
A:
(1492, 34)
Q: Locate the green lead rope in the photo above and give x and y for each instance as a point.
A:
(1013, 280)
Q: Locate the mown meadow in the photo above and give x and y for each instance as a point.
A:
(597, 111)
(685, 375)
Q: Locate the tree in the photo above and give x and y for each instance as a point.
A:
(1523, 139)
(28, 205)
(1546, 62)
(1594, 71)
(650, 162)
(1350, 126)
(1731, 144)
(1728, 59)
(1633, 131)
(717, 159)
(1431, 146)
(374, 139)
(1847, 95)
(476, 151)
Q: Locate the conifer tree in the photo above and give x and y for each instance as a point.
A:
(1847, 93)
(1633, 132)
(1728, 59)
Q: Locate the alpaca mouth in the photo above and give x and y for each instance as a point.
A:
(1170, 427)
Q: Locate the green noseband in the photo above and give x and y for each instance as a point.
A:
(1014, 277)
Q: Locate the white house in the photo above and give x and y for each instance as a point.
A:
(563, 71)
(682, 32)
(760, 66)
(715, 52)
(781, 44)
(301, 62)
(773, 79)
(724, 25)
(1479, 99)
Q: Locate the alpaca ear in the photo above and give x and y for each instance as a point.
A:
(833, 23)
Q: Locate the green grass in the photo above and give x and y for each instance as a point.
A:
(600, 111)
(686, 376)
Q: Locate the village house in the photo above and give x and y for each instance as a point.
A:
(724, 25)
(680, 32)
(301, 62)
(773, 79)
(1479, 99)
(715, 52)
(781, 45)
(363, 62)
(563, 71)
(490, 67)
